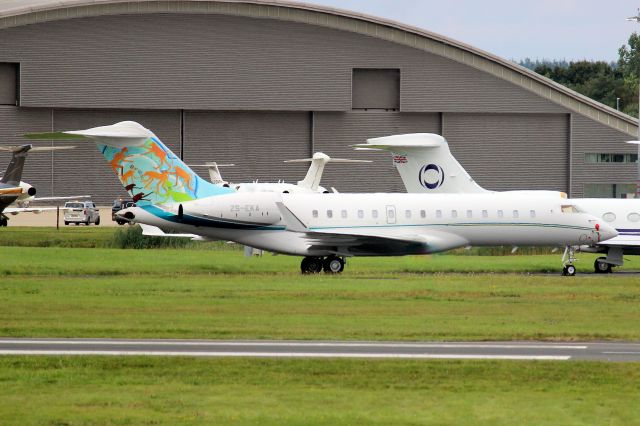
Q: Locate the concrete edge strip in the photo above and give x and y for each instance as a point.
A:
(287, 355)
(290, 344)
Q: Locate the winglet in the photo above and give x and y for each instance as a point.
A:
(291, 220)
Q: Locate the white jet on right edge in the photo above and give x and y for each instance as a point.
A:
(426, 165)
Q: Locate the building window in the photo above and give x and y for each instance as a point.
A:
(485, 214)
(423, 213)
(374, 214)
(315, 213)
(469, 214)
(375, 89)
(592, 158)
(500, 213)
(609, 190)
(343, 213)
(360, 214)
(454, 213)
(9, 79)
(407, 214)
(439, 214)
(329, 214)
(516, 214)
(532, 213)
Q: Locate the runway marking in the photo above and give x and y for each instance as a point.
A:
(287, 355)
(622, 353)
(290, 344)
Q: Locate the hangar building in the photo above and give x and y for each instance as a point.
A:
(255, 82)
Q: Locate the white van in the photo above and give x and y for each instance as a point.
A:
(81, 212)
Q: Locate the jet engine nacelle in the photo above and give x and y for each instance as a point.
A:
(27, 189)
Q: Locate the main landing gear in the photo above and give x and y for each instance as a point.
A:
(330, 264)
(568, 258)
(601, 267)
(4, 221)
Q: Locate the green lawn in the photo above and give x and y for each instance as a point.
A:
(210, 294)
(48, 289)
(113, 390)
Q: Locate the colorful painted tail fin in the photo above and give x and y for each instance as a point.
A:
(147, 169)
(425, 163)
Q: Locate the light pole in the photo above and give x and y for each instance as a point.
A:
(637, 142)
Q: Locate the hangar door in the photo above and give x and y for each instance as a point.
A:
(511, 151)
(256, 142)
(335, 132)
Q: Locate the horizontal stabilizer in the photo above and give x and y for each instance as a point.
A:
(125, 133)
(16, 148)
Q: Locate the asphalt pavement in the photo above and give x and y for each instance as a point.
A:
(601, 351)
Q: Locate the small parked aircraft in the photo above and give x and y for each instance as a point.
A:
(426, 165)
(13, 190)
(310, 183)
(327, 228)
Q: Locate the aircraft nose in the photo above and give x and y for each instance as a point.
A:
(606, 231)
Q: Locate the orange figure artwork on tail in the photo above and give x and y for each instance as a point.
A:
(180, 173)
(118, 158)
(151, 176)
(155, 149)
(126, 177)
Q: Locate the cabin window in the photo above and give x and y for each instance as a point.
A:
(516, 214)
(360, 214)
(469, 214)
(374, 214)
(423, 214)
(329, 214)
(454, 213)
(407, 214)
(315, 213)
(532, 213)
(608, 217)
(633, 217)
(438, 214)
(343, 214)
(485, 213)
(500, 213)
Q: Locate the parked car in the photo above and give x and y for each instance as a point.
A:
(118, 205)
(81, 212)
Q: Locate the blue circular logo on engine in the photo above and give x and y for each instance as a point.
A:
(431, 176)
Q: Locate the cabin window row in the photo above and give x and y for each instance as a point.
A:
(422, 214)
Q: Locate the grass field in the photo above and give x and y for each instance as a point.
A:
(177, 293)
(86, 390)
(58, 286)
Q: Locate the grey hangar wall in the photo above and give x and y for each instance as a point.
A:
(255, 91)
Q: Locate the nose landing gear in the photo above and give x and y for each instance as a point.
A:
(314, 265)
(568, 258)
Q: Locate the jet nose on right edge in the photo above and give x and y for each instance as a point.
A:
(605, 230)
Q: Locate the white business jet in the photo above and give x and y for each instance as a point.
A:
(327, 228)
(426, 165)
(310, 183)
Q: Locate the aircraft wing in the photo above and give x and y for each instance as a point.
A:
(76, 197)
(16, 210)
(154, 231)
(345, 241)
(622, 240)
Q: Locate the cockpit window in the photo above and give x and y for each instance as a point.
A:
(569, 209)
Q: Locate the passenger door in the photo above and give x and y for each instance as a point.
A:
(391, 214)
